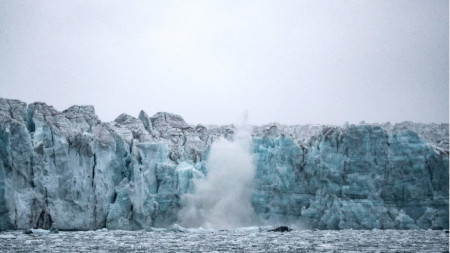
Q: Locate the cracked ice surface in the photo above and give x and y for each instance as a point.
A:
(241, 240)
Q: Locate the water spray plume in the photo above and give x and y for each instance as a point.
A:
(222, 199)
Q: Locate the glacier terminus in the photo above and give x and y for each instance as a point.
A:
(71, 169)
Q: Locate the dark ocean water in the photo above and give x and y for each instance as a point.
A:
(250, 239)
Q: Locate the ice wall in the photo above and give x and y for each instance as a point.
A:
(72, 169)
(355, 177)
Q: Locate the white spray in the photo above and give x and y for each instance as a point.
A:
(222, 198)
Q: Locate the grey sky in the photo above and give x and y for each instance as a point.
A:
(294, 62)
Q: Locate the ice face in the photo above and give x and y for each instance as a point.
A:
(71, 169)
(357, 177)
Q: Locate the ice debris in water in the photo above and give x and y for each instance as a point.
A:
(27, 231)
(235, 240)
(281, 229)
(177, 228)
(54, 229)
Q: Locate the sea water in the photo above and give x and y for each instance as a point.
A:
(248, 239)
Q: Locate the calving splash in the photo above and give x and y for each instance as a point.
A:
(222, 198)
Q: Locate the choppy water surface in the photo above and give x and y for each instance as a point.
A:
(245, 239)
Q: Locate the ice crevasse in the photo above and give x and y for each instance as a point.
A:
(71, 169)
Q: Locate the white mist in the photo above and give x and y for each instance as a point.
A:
(222, 199)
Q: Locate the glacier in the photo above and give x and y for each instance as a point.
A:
(71, 169)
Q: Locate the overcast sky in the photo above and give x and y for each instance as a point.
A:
(294, 62)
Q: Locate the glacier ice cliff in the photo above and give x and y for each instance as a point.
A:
(71, 169)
